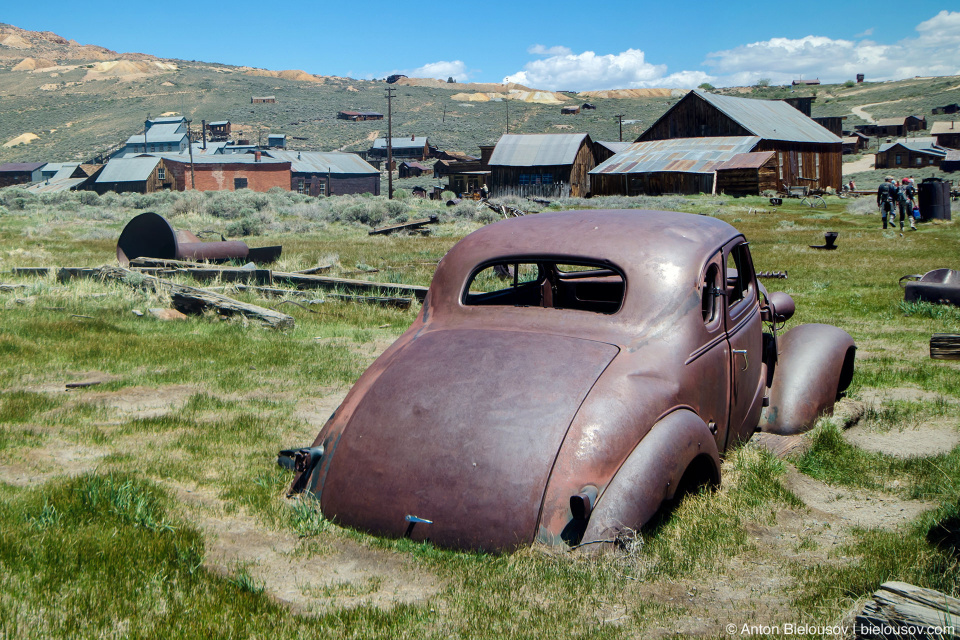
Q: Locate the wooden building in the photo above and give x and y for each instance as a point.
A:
(807, 154)
(946, 109)
(569, 111)
(748, 174)
(803, 104)
(412, 148)
(359, 116)
(951, 161)
(218, 131)
(412, 169)
(894, 127)
(146, 174)
(804, 83)
(20, 173)
(855, 143)
(909, 153)
(602, 151)
(332, 173)
(678, 166)
(947, 134)
(542, 165)
(833, 124)
(263, 100)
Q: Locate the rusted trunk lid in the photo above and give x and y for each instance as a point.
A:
(462, 429)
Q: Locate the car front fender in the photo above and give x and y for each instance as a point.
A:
(651, 474)
(814, 367)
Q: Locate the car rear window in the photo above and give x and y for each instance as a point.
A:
(582, 286)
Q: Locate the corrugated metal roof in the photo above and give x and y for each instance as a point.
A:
(770, 119)
(891, 122)
(752, 160)
(128, 169)
(945, 126)
(66, 171)
(167, 119)
(537, 149)
(323, 162)
(401, 143)
(277, 135)
(953, 155)
(234, 158)
(689, 155)
(21, 166)
(55, 186)
(159, 134)
(218, 123)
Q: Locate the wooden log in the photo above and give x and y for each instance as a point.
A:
(161, 262)
(66, 274)
(411, 225)
(385, 301)
(312, 270)
(900, 610)
(193, 300)
(350, 285)
(30, 271)
(945, 346)
(206, 273)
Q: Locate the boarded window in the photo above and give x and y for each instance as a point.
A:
(542, 282)
(300, 185)
(239, 183)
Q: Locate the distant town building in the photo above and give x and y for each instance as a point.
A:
(912, 153)
(359, 116)
(134, 175)
(20, 173)
(263, 100)
(412, 148)
(543, 165)
(947, 134)
(331, 173)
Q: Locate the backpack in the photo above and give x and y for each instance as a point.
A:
(886, 192)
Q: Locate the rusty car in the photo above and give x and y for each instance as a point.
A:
(568, 375)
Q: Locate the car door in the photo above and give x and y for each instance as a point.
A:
(744, 334)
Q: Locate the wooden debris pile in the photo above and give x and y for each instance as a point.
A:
(900, 610)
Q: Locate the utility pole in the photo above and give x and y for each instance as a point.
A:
(390, 97)
(619, 117)
(146, 125)
(193, 179)
(506, 103)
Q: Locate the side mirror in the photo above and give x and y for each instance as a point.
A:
(779, 307)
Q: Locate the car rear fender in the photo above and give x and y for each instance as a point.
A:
(813, 368)
(652, 473)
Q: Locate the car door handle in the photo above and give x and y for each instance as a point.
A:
(743, 352)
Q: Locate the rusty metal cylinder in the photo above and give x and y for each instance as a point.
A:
(150, 235)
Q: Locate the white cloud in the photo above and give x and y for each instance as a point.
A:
(588, 71)
(781, 60)
(442, 70)
(865, 33)
(540, 50)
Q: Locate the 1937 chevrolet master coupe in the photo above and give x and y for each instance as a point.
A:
(568, 374)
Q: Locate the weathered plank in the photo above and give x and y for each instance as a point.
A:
(30, 271)
(384, 301)
(412, 225)
(901, 610)
(194, 300)
(66, 274)
(349, 285)
(945, 346)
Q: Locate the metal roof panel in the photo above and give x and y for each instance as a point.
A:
(537, 150)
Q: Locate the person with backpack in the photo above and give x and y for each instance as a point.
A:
(887, 196)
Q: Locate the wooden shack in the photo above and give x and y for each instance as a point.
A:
(218, 131)
(807, 154)
(569, 111)
(134, 175)
(748, 174)
(412, 169)
(947, 134)
(263, 100)
(548, 165)
(359, 116)
(803, 104)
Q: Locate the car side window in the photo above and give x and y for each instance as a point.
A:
(739, 274)
(709, 293)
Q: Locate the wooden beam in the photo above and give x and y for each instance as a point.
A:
(349, 285)
(193, 300)
(411, 225)
(384, 301)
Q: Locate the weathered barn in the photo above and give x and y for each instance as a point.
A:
(137, 175)
(947, 134)
(229, 173)
(542, 164)
(160, 135)
(680, 165)
(747, 174)
(318, 173)
(896, 127)
(277, 141)
(71, 176)
(412, 148)
(605, 150)
(359, 116)
(916, 152)
(807, 154)
(20, 173)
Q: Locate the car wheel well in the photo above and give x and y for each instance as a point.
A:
(701, 472)
(846, 371)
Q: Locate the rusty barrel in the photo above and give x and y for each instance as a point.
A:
(150, 235)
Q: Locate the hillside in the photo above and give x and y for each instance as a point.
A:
(65, 101)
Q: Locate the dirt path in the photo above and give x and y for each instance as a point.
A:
(861, 110)
(866, 163)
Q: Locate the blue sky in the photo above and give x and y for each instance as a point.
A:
(555, 44)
